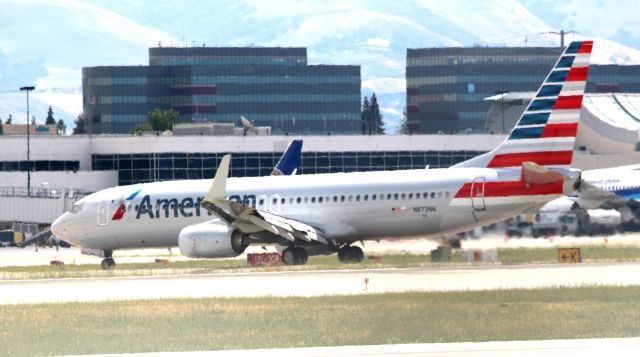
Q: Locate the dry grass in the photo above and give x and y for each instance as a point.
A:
(212, 266)
(215, 324)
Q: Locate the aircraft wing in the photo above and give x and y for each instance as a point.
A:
(250, 220)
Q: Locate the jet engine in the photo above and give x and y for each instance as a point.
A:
(213, 239)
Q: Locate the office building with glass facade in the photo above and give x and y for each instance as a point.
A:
(269, 86)
(446, 87)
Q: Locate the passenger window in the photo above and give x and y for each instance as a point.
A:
(388, 196)
(335, 198)
(341, 198)
(320, 199)
(313, 199)
(306, 199)
(327, 199)
(291, 200)
(382, 197)
(411, 195)
(404, 196)
(357, 198)
(274, 201)
(366, 197)
(395, 196)
(261, 201)
(425, 195)
(299, 200)
(282, 201)
(446, 194)
(433, 195)
(350, 198)
(373, 197)
(440, 194)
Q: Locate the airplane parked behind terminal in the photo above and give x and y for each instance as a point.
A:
(332, 211)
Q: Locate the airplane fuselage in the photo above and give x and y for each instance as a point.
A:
(345, 207)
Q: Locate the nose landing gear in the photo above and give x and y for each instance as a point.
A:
(108, 262)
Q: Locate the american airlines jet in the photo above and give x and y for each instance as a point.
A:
(309, 213)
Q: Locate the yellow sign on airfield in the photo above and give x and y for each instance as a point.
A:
(569, 255)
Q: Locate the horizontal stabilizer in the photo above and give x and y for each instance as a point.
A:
(534, 173)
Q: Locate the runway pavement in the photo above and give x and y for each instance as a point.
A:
(318, 283)
(549, 348)
(42, 256)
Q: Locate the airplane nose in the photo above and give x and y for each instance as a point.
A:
(58, 227)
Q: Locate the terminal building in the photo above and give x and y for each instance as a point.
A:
(63, 168)
(446, 87)
(270, 86)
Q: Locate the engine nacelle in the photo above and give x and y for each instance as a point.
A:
(212, 239)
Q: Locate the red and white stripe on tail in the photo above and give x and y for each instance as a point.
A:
(546, 131)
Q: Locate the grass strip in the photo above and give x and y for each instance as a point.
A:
(248, 323)
(507, 256)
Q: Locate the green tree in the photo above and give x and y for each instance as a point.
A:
(365, 115)
(158, 120)
(376, 123)
(9, 119)
(404, 124)
(62, 128)
(50, 119)
(79, 122)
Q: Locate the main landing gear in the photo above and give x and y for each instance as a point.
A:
(108, 263)
(295, 256)
(350, 254)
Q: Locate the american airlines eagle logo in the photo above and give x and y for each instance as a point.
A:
(122, 208)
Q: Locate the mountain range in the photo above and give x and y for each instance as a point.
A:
(46, 43)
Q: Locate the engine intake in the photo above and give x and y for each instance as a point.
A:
(212, 239)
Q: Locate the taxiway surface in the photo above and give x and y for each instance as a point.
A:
(318, 283)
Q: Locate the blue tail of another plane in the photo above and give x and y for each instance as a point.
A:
(290, 160)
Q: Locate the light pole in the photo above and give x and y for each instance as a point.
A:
(27, 89)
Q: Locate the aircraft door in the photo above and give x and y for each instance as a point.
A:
(274, 203)
(103, 213)
(477, 194)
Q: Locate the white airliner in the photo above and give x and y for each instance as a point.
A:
(331, 211)
(610, 188)
(613, 188)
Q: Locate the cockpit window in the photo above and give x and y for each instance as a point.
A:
(76, 208)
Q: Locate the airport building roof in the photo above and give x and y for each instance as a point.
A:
(609, 119)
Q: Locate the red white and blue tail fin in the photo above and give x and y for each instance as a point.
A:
(546, 131)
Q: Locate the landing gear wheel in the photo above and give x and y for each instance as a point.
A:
(302, 255)
(295, 256)
(288, 256)
(108, 263)
(350, 254)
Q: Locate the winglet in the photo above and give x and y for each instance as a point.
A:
(219, 186)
